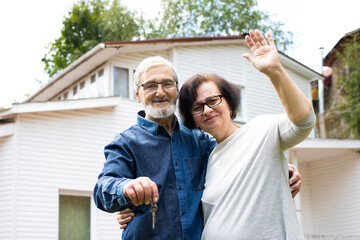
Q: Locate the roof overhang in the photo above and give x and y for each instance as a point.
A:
(7, 129)
(75, 71)
(59, 106)
(313, 149)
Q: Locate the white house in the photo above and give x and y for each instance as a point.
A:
(51, 146)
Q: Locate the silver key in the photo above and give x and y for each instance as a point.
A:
(153, 210)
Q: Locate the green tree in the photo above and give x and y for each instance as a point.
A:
(87, 24)
(118, 23)
(349, 81)
(189, 18)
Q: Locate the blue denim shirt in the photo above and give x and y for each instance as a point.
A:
(177, 164)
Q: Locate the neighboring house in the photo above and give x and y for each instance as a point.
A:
(334, 125)
(51, 146)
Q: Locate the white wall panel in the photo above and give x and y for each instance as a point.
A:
(64, 150)
(225, 60)
(335, 196)
(306, 197)
(7, 149)
(108, 227)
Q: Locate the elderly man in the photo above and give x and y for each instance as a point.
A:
(158, 160)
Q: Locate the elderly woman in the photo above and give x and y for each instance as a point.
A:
(246, 193)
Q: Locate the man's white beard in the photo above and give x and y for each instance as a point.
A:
(160, 113)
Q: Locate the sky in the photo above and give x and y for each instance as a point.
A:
(27, 27)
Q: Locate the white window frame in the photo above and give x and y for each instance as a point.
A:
(131, 71)
(243, 117)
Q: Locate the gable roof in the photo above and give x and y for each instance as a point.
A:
(331, 56)
(103, 51)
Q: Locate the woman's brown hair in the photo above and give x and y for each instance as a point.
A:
(188, 96)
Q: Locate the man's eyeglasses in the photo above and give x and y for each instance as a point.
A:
(150, 87)
(211, 102)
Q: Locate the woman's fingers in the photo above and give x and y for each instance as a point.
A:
(261, 38)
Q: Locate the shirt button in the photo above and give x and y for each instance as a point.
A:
(179, 188)
(183, 213)
(176, 163)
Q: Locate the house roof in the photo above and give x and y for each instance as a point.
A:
(172, 40)
(103, 51)
(331, 56)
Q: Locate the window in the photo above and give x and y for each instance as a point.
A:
(93, 88)
(100, 84)
(93, 78)
(132, 82)
(66, 95)
(74, 217)
(75, 91)
(100, 73)
(121, 82)
(240, 113)
(82, 91)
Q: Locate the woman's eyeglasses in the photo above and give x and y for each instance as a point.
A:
(211, 102)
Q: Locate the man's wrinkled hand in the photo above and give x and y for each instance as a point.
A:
(141, 190)
(294, 180)
(124, 217)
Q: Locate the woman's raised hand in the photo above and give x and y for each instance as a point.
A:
(265, 56)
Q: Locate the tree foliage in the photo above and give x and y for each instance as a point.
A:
(349, 81)
(87, 24)
(93, 21)
(189, 18)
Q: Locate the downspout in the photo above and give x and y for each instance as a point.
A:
(321, 100)
(321, 109)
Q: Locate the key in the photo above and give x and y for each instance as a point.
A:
(153, 210)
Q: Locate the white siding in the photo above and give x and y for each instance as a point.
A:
(334, 196)
(7, 149)
(107, 227)
(64, 150)
(225, 61)
(131, 60)
(306, 208)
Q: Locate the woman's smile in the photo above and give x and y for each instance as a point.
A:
(211, 118)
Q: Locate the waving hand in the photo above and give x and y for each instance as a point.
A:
(265, 57)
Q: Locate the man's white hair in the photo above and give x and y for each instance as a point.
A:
(149, 62)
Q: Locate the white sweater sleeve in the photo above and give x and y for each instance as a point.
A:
(294, 133)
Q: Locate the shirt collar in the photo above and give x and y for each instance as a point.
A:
(153, 127)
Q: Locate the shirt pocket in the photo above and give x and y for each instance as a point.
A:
(197, 170)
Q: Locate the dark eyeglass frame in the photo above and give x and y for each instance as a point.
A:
(157, 85)
(207, 104)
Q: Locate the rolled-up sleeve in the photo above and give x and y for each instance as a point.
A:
(118, 170)
(294, 133)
